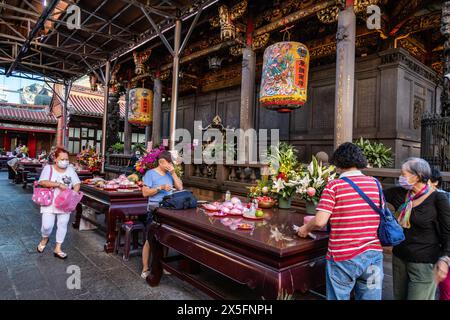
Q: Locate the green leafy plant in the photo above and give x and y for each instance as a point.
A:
(118, 147)
(377, 154)
(284, 168)
(139, 147)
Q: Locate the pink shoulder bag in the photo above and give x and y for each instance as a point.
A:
(43, 196)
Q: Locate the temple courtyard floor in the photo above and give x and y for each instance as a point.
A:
(26, 274)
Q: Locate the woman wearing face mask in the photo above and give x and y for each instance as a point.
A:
(58, 176)
(158, 182)
(424, 215)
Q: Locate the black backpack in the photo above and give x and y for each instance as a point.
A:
(179, 200)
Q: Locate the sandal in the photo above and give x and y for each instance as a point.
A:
(60, 255)
(145, 274)
(40, 248)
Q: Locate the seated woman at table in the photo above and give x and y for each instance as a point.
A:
(158, 182)
(59, 176)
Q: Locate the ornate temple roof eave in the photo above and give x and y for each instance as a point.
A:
(290, 18)
(402, 58)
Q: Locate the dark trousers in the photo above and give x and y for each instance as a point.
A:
(11, 173)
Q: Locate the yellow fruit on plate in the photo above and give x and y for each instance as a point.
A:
(133, 177)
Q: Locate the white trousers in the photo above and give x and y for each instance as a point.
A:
(48, 221)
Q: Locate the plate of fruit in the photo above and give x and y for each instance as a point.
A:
(211, 206)
(258, 215)
(245, 226)
(265, 202)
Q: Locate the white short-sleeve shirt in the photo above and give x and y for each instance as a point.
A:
(69, 177)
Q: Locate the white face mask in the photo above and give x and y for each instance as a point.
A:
(63, 164)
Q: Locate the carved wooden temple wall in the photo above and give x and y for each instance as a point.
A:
(392, 90)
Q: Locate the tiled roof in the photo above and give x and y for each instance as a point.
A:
(26, 113)
(90, 105)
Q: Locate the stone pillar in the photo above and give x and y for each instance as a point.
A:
(246, 118)
(156, 126)
(175, 78)
(345, 76)
(127, 126)
(112, 132)
(105, 111)
(247, 88)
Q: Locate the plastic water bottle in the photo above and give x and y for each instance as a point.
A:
(228, 196)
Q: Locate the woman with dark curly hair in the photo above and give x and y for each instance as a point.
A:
(355, 255)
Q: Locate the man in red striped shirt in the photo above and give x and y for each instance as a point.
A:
(355, 255)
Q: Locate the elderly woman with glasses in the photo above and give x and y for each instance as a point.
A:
(421, 261)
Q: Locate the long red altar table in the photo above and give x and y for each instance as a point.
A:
(114, 204)
(271, 259)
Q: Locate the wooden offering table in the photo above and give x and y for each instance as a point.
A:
(27, 171)
(114, 204)
(270, 259)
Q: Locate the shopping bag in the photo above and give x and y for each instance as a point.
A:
(67, 200)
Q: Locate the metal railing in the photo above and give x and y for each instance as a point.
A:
(435, 141)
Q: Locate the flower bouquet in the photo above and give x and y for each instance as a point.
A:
(90, 159)
(312, 181)
(150, 161)
(262, 192)
(285, 173)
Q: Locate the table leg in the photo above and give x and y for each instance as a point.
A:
(156, 269)
(111, 232)
(278, 286)
(78, 213)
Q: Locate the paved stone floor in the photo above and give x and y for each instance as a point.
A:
(26, 274)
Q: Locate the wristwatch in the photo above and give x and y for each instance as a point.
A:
(158, 188)
(446, 260)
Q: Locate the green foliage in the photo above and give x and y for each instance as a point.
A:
(283, 158)
(140, 147)
(377, 154)
(118, 147)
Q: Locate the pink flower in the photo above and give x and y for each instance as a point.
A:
(311, 191)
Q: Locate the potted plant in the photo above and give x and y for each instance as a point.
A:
(312, 181)
(377, 154)
(118, 147)
(284, 167)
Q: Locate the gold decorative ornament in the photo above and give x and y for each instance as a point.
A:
(114, 82)
(139, 60)
(360, 6)
(164, 75)
(236, 51)
(226, 20)
(260, 41)
(328, 15)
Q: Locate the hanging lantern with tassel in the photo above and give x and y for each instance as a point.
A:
(284, 80)
(141, 107)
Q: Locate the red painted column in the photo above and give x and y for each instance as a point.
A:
(7, 142)
(32, 145)
(60, 132)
